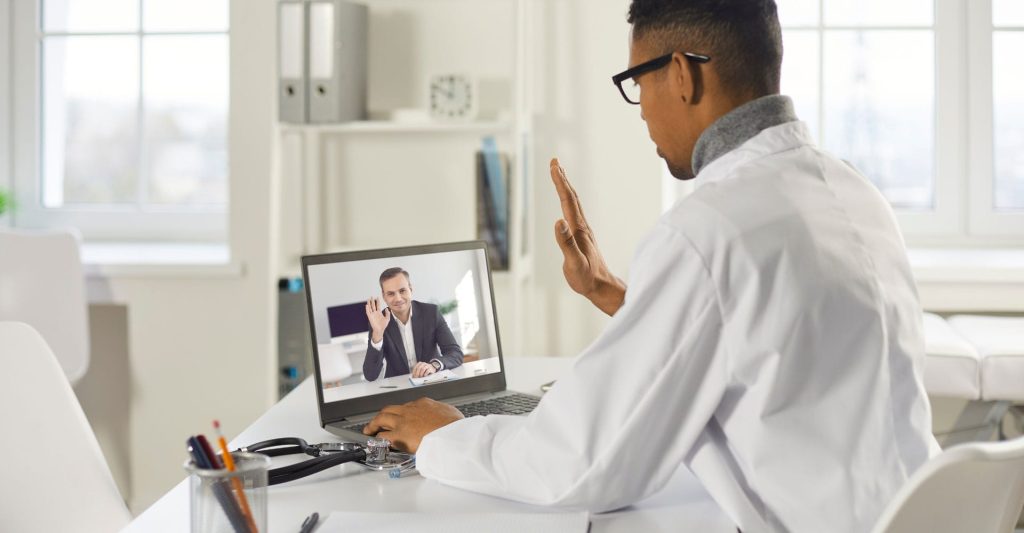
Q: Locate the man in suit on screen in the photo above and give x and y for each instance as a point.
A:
(400, 344)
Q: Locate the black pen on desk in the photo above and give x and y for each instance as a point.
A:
(309, 523)
(389, 386)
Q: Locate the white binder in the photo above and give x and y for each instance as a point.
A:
(291, 61)
(337, 46)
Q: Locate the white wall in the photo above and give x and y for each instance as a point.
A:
(5, 101)
(377, 186)
(202, 346)
(604, 147)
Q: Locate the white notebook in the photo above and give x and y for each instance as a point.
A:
(345, 521)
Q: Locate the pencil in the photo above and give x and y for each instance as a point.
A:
(229, 463)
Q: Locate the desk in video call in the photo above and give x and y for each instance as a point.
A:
(384, 385)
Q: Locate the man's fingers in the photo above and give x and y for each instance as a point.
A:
(390, 435)
(567, 241)
(392, 409)
(383, 421)
(421, 369)
(566, 195)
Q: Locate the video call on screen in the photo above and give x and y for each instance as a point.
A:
(446, 300)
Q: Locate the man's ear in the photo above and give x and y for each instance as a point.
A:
(687, 79)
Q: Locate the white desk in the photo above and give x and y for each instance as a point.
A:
(393, 383)
(682, 506)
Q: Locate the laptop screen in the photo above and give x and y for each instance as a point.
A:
(389, 321)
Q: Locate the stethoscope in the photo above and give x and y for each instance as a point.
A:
(376, 454)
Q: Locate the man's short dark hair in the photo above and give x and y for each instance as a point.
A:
(742, 37)
(392, 273)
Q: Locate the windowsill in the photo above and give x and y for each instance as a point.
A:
(144, 259)
(969, 280)
(967, 266)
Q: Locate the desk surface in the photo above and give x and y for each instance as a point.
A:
(682, 505)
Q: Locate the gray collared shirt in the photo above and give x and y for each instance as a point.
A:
(740, 125)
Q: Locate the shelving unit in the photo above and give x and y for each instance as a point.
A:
(342, 177)
(384, 126)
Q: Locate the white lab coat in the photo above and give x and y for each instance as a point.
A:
(770, 340)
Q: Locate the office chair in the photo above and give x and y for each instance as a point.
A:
(55, 477)
(42, 283)
(976, 487)
(334, 363)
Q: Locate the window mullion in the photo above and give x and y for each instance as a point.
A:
(6, 100)
(142, 189)
(821, 73)
(980, 105)
(950, 121)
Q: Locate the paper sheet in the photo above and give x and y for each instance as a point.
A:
(345, 521)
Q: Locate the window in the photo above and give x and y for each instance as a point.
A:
(123, 105)
(923, 97)
(1008, 104)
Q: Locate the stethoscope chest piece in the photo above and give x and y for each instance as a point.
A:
(380, 456)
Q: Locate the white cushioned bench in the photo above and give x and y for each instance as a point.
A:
(979, 359)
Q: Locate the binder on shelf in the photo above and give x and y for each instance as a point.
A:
(291, 61)
(492, 203)
(336, 68)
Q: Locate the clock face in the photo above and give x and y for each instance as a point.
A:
(451, 97)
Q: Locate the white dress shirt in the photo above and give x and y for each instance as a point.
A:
(405, 328)
(770, 340)
(407, 341)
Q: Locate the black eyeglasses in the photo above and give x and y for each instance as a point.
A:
(632, 92)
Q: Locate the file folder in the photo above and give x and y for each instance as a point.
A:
(337, 46)
(291, 62)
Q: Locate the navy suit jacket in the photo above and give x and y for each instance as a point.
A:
(429, 332)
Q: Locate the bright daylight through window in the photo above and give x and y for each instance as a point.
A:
(1008, 104)
(873, 101)
(133, 103)
(864, 75)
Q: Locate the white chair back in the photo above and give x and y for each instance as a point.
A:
(42, 283)
(334, 363)
(54, 476)
(976, 487)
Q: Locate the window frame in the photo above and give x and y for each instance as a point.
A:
(984, 219)
(6, 120)
(128, 222)
(963, 213)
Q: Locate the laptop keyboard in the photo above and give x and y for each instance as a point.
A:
(512, 404)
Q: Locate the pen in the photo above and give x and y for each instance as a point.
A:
(389, 386)
(309, 523)
(229, 463)
(208, 450)
(220, 491)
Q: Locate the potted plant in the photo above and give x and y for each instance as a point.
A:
(6, 203)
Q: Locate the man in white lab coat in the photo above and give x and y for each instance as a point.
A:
(769, 338)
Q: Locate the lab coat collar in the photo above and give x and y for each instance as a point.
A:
(740, 125)
(770, 141)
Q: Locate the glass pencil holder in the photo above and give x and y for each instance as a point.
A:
(229, 502)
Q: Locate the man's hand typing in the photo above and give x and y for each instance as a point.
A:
(405, 425)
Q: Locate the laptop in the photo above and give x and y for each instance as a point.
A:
(445, 293)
